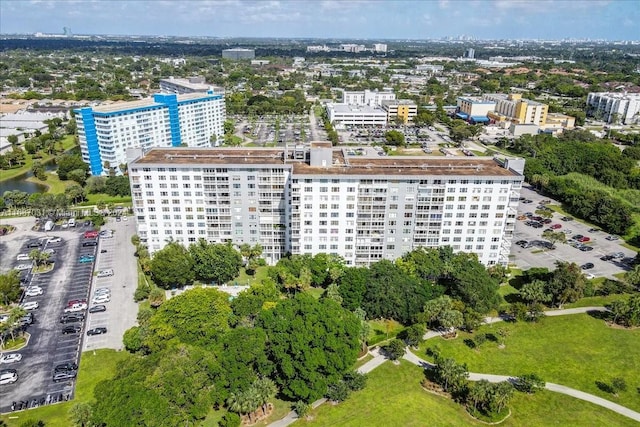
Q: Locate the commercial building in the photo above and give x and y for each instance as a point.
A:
(404, 109)
(474, 109)
(320, 199)
(380, 47)
(341, 115)
(372, 98)
(557, 122)
(190, 85)
(166, 120)
(238, 54)
(614, 107)
(515, 109)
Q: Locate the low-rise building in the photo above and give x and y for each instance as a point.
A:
(515, 109)
(238, 54)
(614, 107)
(403, 109)
(474, 109)
(341, 115)
(372, 98)
(191, 85)
(318, 199)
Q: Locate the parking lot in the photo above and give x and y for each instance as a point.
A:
(269, 130)
(536, 255)
(70, 279)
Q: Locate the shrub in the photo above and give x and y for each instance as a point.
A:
(355, 380)
(302, 408)
(230, 419)
(395, 349)
(529, 383)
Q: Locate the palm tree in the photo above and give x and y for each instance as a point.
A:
(267, 390)
(237, 402)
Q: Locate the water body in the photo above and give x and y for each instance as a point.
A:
(21, 183)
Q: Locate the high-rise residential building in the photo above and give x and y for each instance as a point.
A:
(470, 53)
(238, 54)
(321, 199)
(613, 107)
(380, 47)
(166, 120)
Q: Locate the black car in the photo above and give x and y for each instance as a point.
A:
(521, 242)
(606, 258)
(64, 367)
(567, 218)
(586, 248)
(72, 317)
(64, 375)
(71, 329)
(90, 243)
(97, 331)
(34, 244)
(587, 266)
(98, 308)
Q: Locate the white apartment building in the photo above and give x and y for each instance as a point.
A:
(372, 98)
(190, 85)
(611, 106)
(166, 120)
(380, 47)
(317, 199)
(341, 115)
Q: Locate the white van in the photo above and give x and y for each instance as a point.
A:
(23, 257)
(48, 226)
(72, 222)
(8, 377)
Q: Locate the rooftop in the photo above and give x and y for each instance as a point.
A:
(350, 108)
(143, 103)
(361, 165)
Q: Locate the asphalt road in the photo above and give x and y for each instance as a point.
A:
(535, 257)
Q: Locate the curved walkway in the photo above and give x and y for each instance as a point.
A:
(409, 356)
(379, 359)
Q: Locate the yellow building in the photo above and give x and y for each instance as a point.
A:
(405, 109)
(557, 122)
(517, 110)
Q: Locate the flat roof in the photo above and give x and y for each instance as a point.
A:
(350, 108)
(145, 103)
(186, 83)
(380, 166)
(475, 100)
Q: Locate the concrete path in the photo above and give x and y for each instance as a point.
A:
(409, 356)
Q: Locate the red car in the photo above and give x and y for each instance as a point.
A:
(584, 239)
(76, 301)
(90, 234)
(556, 226)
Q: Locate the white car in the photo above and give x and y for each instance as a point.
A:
(105, 234)
(8, 377)
(125, 218)
(76, 307)
(105, 273)
(23, 267)
(31, 305)
(101, 299)
(10, 358)
(55, 239)
(49, 251)
(23, 257)
(34, 291)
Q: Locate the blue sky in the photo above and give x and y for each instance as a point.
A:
(372, 19)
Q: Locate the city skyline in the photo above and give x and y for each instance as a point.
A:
(366, 19)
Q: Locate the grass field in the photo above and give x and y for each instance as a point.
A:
(255, 279)
(382, 330)
(576, 351)
(394, 397)
(53, 183)
(94, 367)
(67, 144)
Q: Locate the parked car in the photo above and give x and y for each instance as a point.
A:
(101, 299)
(75, 308)
(71, 329)
(98, 308)
(49, 251)
(612, 237)
(72, 318)
(62, 376)
(10, 358)
(105, 273)
(64, 367)
(86, 258)
(55, 240)
(23, 257)
(617, 255)
(97, 331)
(8, 376)
(606, 258)
(567, 218)
(587, 266)
(34, 291)
(556, 226)
(30, 305)
(21, 267)
(90, 234)
(34, 244)
(76, 301)
(584, 239)
(585, 248)
(594, 230)
(90, 243)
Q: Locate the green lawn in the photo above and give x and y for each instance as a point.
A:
(382, 330)
(94, 199)
(53, 183)
(281, 408)
(67, 144)
(260, 274)
(94, 367)
(394, 397)
(575, 351)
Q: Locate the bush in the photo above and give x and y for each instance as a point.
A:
(142, 293)
(302, 408)
(395, 349)
(480, 339)
(529, 383)
(230, 419)
(355, 380)
(338, 392)
(610, 287)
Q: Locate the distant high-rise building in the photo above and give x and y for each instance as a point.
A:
(190, 85)
(613, 107)
(380, 48)
(166, 120)
(470, 53)
(238, 54)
